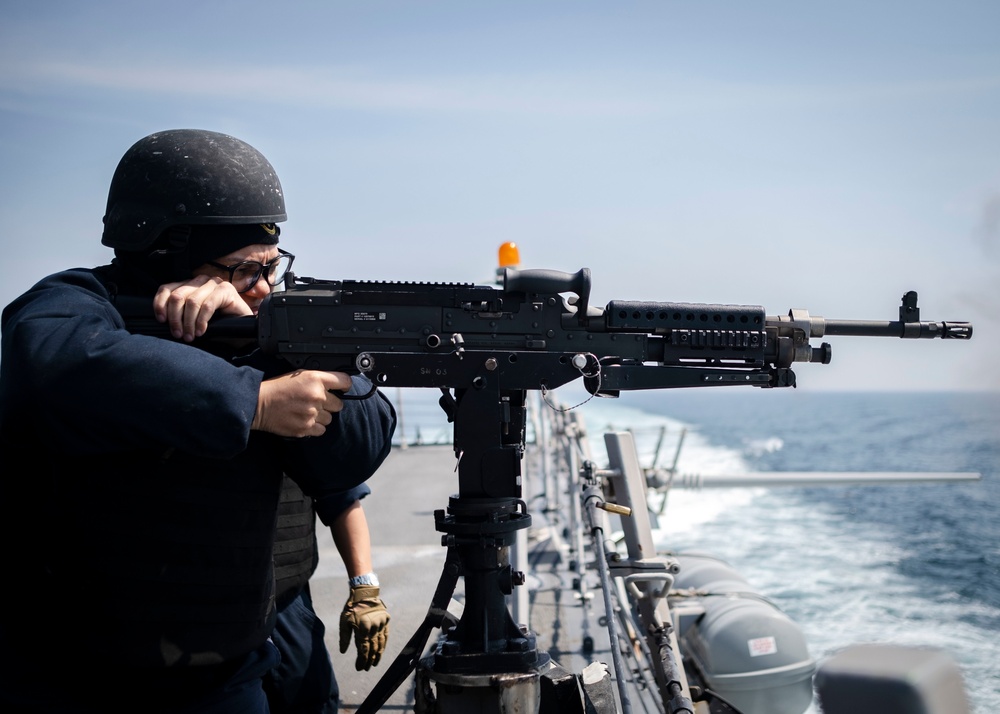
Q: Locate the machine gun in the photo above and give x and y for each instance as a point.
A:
(538, 341)
(484, 347)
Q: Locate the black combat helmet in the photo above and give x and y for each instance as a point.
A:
(171, 183)
(188, 177)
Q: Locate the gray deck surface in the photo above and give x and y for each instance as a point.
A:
(408, 557)
(406, 553)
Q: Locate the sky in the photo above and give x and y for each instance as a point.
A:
(822, 156)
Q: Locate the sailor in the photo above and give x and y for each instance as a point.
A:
(140, 520)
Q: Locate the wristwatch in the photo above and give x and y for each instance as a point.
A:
(366, 579)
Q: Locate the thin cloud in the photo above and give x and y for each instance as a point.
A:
(337, 87)
(602, 94)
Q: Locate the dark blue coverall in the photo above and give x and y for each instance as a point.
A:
(138, 525)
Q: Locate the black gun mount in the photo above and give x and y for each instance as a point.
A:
(484, 347)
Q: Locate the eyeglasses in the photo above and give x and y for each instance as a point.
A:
(246, 274)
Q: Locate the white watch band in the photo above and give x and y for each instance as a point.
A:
(366, 579)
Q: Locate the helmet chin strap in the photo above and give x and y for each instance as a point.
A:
(172, 254)
(142, 272)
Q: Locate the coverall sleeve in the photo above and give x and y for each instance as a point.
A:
(335, 504)
(69, 363)
(355, 444)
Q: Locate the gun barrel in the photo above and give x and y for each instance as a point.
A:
(896, 328)
(819, 478)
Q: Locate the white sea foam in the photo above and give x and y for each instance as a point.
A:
(837, 578)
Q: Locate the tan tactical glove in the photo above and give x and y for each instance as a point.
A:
(365, 614)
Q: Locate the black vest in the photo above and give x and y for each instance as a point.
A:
(169, 556)
(296, 554)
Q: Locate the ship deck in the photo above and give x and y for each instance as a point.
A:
(408, 557)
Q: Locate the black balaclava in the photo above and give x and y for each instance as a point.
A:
(176, 253)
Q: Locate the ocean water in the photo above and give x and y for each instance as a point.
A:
(915, 564)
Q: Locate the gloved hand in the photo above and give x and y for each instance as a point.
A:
(365, 615)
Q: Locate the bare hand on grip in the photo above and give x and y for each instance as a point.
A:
(188, 306)
(300, 403)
